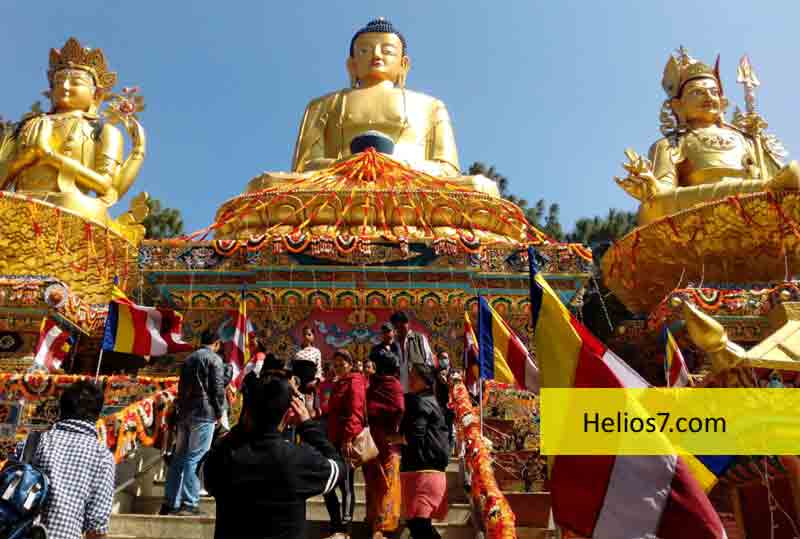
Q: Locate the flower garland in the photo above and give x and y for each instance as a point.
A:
(142, 423)
(498, 518)
(39, 386)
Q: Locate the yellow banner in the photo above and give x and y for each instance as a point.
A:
(666, 421)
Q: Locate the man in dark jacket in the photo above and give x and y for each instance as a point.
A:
(200, 405)
(261, 482)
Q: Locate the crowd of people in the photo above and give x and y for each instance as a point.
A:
(306, 425)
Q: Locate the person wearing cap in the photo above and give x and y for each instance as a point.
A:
(413, 346)
(425, 455)
(385, 407)
(346, 420)
(254, 474)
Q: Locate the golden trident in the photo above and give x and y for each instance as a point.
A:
(747, 78)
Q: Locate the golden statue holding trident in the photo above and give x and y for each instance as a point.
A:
(72, 156)
(703, 158)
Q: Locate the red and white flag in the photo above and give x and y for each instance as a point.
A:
(471, 366)
(53, 346)
(239, 351)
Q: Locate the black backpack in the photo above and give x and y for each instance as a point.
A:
(24, 489)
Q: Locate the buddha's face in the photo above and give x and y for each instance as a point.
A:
(72, 89)
(700, 102)
(377, 58)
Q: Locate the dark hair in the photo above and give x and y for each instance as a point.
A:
(399, 317)
(378, 26)
(208, 337)
(260, 345)
(266, 400)
(425, 372)
(82, 400)
(308, 329)
(386, 362)
(344, 354)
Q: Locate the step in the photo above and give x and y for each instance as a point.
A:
(161, 527)
(459, 513)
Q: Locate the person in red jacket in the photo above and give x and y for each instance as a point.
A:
(346, 420)
(385, 406)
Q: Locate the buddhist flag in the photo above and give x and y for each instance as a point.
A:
(502, 356)
(611, 496)
(53, 345)
(677, 374)
(471, 366)
(142, 331)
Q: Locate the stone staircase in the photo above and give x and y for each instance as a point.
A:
(139, 497)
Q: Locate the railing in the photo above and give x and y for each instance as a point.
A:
(496, 514)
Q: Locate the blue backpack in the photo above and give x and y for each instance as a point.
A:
(23, 490)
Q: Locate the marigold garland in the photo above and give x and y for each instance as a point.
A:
(498, 518)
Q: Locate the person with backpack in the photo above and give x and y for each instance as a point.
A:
(199, 407)
(79, 472)
(424, 456)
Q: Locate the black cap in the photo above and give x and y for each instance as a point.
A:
(387, 326)
(399, 317)
(379, 26)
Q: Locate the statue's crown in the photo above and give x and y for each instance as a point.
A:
(74, 56)
(681, 68)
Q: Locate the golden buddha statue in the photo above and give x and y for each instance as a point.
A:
(378, 100)
(702, 158)
(428, 199)
(73, 156)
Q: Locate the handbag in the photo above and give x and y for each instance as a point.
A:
(363, 445)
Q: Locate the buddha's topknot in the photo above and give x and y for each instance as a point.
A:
(379, 26)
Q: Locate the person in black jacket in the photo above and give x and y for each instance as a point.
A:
(425, 455)
(261, 482)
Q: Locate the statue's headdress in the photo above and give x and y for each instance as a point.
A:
(379, 26)
(74, 56)
(682, 68)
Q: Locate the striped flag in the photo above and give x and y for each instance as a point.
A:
(675, 369)
(502, 356)
(53, 345)
(142, 331)
(471, 366)
(239, 351)
(608, 496)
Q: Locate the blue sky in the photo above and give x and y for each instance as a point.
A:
(551, 93)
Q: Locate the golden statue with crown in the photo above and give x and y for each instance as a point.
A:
(716, 202)
(374, 161)
(73, 152)
(61, 170)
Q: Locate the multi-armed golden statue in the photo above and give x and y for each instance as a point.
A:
(702, 158)
(72, 152)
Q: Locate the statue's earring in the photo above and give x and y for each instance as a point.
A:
(353, 82)
(401, 80)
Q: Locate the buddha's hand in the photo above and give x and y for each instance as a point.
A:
(34, 139)
(640, 182)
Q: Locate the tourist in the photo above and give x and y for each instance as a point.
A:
(346, 419)
(425, 455)
(80, 470)
(385, 407)
(199, 406)
(443, 368)
(307, 366)
(413, 347)
(261, 483)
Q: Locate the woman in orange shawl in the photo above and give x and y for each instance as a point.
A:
(385, 408)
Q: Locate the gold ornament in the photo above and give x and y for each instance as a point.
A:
(74, 56)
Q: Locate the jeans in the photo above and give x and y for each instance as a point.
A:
(183, 484)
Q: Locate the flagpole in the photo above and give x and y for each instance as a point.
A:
(99, 362)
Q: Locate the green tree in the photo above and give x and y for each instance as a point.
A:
(162, 222)
(599, 229)
(540, 216)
